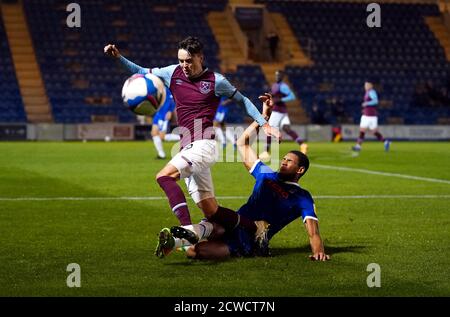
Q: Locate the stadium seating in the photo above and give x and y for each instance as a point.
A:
(11, 106)
(250, 80)
(403, 57)
(81, 82)
(399, 57)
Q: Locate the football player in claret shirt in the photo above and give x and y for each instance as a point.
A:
(197, 92)
(277, 199)
(281, 94)
(369, 118)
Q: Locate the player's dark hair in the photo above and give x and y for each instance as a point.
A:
(302, 160)
(192, 45)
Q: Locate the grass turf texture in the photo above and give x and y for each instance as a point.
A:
(113, 240)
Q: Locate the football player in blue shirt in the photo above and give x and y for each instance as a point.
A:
(277, 198)
(161, 121)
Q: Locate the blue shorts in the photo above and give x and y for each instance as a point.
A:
(240, 242)
(220, 114)
(219, 117)
(163, 124)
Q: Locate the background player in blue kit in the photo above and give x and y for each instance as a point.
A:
(161, 123)
(219, 123)
(277, 198)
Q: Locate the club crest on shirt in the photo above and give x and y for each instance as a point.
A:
(205, 87)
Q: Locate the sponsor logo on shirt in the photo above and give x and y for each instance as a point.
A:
(277, 189)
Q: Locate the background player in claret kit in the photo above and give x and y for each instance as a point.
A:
(219, 123)
(197, 92)
(277, 199)
(161, 123)
(369, 118)
(281, 94)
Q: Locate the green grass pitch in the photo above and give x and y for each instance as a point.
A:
(400, 223)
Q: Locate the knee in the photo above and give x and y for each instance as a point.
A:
(208, 212)
(161, 176)
(209, 207)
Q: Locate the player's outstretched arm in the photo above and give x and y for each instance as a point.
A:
(249, 156)
(244, 145)
(318, 251)
(112, 51)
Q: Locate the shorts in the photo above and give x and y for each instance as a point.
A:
(220, 116)
(279, 119)
(194, 163)
(163, 125)
(161, 121)
(240, 242)
(368, 122)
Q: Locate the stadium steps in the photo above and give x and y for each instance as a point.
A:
(28, 74)
(291, 51)
(297, 113)
(223, 26)
(440, 31)
(291, 54)
(240, 2)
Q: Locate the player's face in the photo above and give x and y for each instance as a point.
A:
(367, 86)
(190, 64)
(289, 167)
(278, 76)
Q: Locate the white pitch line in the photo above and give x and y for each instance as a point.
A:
(360, 170)
(220, 198)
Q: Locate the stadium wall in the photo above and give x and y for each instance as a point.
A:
(128, 132)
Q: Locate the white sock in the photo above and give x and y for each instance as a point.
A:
(202, 229)
(230, 136)
(158, 145)
(171, 137)
(180, 243)
(220, 136)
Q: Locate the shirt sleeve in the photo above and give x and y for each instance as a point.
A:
(287, 92)
(308, 208)
(165, 73)
(259, 169)
(132, 67)
(373, 98)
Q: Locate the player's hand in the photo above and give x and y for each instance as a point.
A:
(271, 131)
(319, 257)
(266, 99)
(112, 50)
(267, 102)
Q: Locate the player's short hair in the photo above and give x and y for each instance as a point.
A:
(192, 45)
(302, 160)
